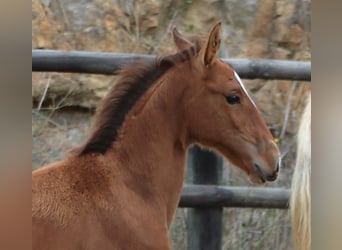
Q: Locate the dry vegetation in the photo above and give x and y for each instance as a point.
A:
(64, 104)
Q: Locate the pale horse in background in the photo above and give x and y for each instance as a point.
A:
(300, 203)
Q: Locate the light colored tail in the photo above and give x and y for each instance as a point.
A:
(300, 203)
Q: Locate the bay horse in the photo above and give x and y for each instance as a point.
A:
(120, 189)
(300, 202)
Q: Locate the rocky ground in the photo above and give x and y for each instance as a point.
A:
(63, 104)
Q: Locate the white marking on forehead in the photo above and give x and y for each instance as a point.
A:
(243, 87)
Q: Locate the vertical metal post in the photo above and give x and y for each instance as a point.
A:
(204, 224)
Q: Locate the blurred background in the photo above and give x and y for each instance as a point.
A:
(63, 105)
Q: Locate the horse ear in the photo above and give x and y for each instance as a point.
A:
(211, 47)
(181, 42)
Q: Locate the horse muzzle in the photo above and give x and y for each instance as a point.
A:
(264, 176)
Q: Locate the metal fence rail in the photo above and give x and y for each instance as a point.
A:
(109, 63)
(223, 196)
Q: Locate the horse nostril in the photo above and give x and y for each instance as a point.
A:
(260, 172)
(264, 176)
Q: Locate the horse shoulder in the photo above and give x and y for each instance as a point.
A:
(71, 187)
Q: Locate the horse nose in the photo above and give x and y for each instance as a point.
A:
(267, 177)
(277, 164)
(263, 175)
(268, 162)
(276, 171)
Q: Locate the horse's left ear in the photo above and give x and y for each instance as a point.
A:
(211, 48)
(180, 41)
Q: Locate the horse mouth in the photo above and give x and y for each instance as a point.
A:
(263, 176)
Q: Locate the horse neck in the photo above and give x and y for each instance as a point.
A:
(151, 145)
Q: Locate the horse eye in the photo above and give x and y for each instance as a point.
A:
(233, 99)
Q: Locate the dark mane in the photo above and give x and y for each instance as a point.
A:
(132, 83)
